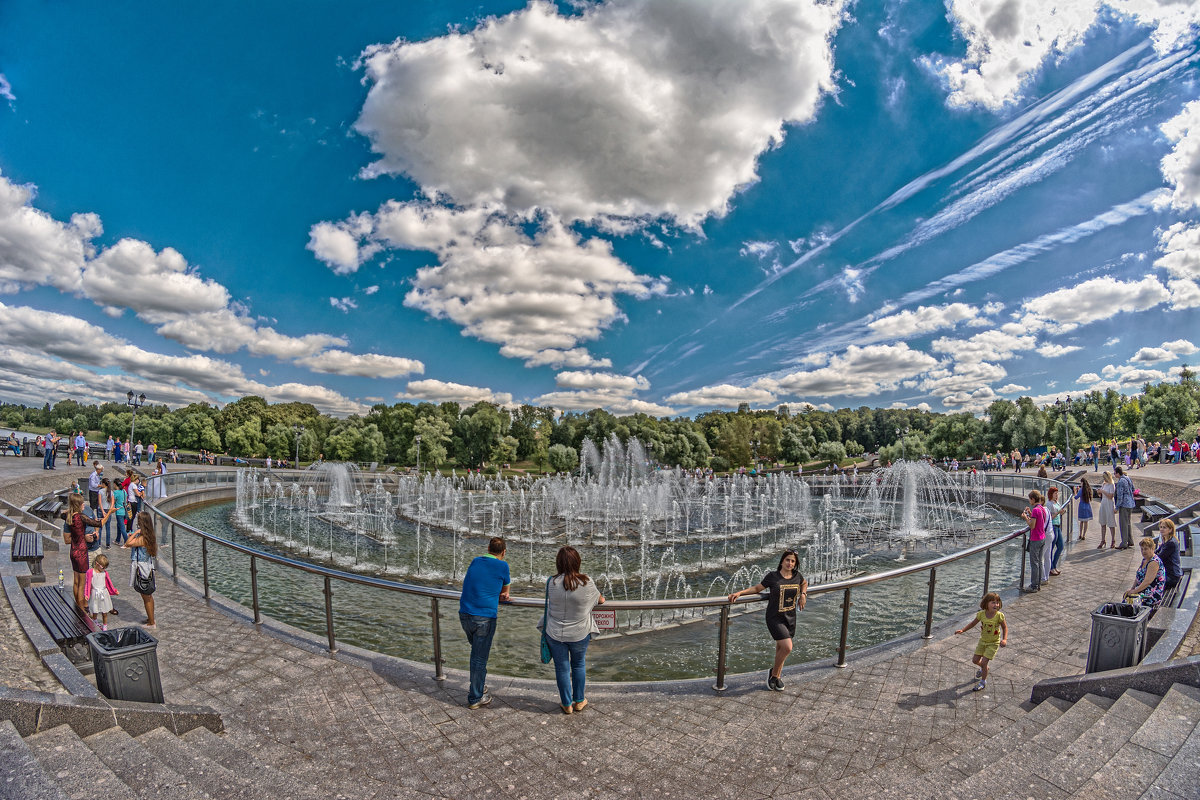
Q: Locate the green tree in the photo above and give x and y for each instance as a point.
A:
(506, 450)
(956, 436)
(563, 458)
(1129, 417)
(1027, 428)
(245, 439)
(431, 450)
(1168, 409)
(797, 443)
(279, 441)
(833, 452)
(477, 434)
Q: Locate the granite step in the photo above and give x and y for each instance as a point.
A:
(235, 749)
(969, 754)
(1026, 766)
(21, 776)
(1072, 769)
(77, 770)
(1179, 779)
(1107, 765)
(200, 769)
(140, 770)
(222, 750)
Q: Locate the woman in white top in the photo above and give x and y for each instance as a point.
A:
(570, 598)
(1107, 515)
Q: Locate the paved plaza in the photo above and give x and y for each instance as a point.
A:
(381, 727)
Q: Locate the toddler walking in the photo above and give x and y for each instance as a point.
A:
(991, 622)
(99, 590)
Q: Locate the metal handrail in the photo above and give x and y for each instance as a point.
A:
(434, 594)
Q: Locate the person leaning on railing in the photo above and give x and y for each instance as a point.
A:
(788, 594)
(570, 598)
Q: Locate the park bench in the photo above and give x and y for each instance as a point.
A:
(66, 623)
(1153, 512)
(27, 547)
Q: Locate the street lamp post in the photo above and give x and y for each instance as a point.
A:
(1065, 409)
(135, 403)
(418, 441)
(298, 430)
(900, 434)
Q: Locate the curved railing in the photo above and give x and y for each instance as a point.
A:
(208, 479)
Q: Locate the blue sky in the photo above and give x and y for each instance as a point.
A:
(660, 206)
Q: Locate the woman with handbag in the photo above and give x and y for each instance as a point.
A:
(568, 627)
(75, 533)
(144, 546)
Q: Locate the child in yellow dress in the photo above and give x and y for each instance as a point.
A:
(992, 625)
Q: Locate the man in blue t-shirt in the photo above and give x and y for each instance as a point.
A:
(484, 586)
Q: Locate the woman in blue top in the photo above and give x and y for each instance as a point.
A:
(1151, 579)
(1084, 496)
(120, 506)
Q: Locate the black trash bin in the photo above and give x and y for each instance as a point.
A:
(1118, 636)
(126, 664)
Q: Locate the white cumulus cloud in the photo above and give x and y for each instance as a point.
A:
(1097, 299)
(924, 319)
(367, 365)
(858, 371)
(35, 248)
(1181, 167)
(722, 396)
(601, 114)
(435, 391)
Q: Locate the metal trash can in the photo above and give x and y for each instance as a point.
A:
(1118, 636)
(126, 664)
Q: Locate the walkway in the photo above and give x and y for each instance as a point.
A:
(384, 728)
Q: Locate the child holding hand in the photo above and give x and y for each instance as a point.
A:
(992, 625)
(99, 590)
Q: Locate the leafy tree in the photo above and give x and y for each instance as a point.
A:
(797, 443)
(956, 436)
(1027, 428)
(563, 458)
(733, 440)
(506, 450)
(477, 434)
(1168, 409)
(998, 414)
(245, 439)
(279, 441)
(1129, 416)
(434, 431)
(833, 452)
(14, 420)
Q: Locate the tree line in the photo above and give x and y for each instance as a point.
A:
(482, 434)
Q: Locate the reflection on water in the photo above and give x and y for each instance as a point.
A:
(399, 625)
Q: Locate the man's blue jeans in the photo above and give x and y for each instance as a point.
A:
(570, 668)
(480, 631)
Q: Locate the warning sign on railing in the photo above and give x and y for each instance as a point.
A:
(605, 620)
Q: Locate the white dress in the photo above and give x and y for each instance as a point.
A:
(100, 602)
(1108, 509)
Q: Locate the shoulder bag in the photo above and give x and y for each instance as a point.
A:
(143, 577)
(546, 656)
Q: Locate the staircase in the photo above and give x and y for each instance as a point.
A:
(57, 764)
(1139, 745)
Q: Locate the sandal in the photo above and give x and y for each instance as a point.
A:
(1101, 546)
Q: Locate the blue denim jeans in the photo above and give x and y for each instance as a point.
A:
(1058, 546)
(570, 668)
(480, 631)
(122, 531)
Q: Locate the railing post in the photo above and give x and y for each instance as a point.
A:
(722, 642)
(929, 604)
(841, 662)
(439, 674)
(329, 615)
(987, 570)
(204, 559)
(1024, 547)
(174, 568)
(254, 589)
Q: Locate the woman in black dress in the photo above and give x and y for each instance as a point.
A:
(788, 594)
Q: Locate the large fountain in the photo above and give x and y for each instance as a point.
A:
(644, 532)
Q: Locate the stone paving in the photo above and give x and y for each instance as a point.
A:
(384, 728)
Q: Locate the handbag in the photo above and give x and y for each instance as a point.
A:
(546, 655)
(143, 579)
